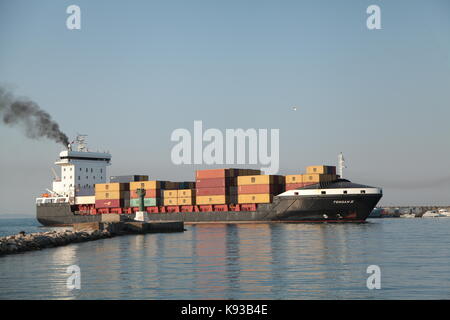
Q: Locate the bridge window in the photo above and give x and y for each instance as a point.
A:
(324, 192)
(363, 191)
(345, 191)
(296, 193)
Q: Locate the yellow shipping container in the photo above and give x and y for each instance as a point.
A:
(211, 199)
(105, 195)
(294, 178)
(255, 198)
(319, 169)
(182, 193)
(186, 201)
(170, 193)
(99, 187)
(152, 184)
(259, 179)
(170, 201)
(316, 178)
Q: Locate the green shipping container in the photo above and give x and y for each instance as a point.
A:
(148, 202)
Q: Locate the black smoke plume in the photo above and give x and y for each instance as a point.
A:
(36, 122)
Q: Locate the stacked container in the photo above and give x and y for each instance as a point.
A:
(186, 197)
(219, 186)
(170, 197)
(152, 196)
(294, 181)
(309, 179)
(111, 195)
(314, 175)
(259, 188)
(321, 170)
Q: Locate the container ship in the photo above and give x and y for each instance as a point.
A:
(81, 193)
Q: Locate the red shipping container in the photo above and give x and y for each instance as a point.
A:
(215, 183)
(218, 191)
(109, 203)
(292, 186)
(215, 173)
(149, 193)
(260, 188)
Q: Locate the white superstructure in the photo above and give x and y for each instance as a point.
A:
(80, 171)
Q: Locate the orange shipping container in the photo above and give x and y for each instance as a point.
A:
(99, 187)
(170, 201)
(294, 178)
(152, 184)
(320, 169)
(105, 195)
(308, 178)
(211, 200)
(255, 198)
(149, 193)
(185, 193)
(170, 193)
(186, 201)
(261, 179)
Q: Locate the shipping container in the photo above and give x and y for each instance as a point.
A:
(149, 184)
(255, 198)
(186, 193)
(170, 201)
(102, 195)
(85, 200)
(99, 187)
(321, 169)
(148, 202)
(149, 193)
(213, 173)
(201, 200)
(129, 178)
(294, 178)
(169, 185)
(215, 183)
(261, 179)
(109, 203)
(186, 201)
(308, 178)
(184, 185)
(170, 194)
(212, 191)
(261, 188)
(292, 186)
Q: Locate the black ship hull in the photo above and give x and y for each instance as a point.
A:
(318, 208)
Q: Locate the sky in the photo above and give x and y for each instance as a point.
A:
(138, 70)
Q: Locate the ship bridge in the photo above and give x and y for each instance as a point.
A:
(81, 169)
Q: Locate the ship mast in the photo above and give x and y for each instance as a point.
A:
(341, 165)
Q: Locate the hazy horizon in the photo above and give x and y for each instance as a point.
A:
(136, 72)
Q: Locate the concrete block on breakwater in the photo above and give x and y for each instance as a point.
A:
(82, 232)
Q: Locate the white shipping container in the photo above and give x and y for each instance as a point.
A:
(85, 200)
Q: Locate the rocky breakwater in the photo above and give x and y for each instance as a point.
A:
(22, 242)
(82, 232)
